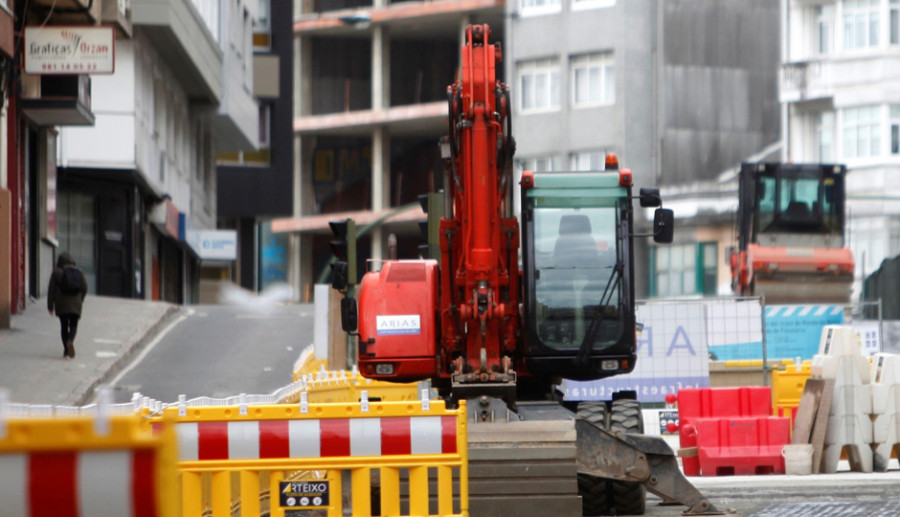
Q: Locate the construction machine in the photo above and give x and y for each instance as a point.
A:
(791, 246)
(502, 334)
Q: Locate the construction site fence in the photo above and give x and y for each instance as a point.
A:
(89, 462)
(276, 454)
(773, 332)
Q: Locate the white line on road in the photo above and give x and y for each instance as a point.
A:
(104, 341)
(149, 347)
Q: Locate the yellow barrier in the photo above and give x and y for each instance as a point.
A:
(787, 386)
(339, 386)
(87, 465)
(231, 454)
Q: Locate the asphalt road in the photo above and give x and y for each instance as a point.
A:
(220, 351)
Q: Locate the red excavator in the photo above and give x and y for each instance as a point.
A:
(483, 327)
(791, 245)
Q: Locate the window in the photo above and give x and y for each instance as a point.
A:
(825, 134)
(209, 12)
(824, 29)
(861, 23)
(687, 269)
(576, 280)
(895, 129)
(265, 116)
(540, 164)
(894, 20)
(262, 27)
(588, 161)
(593, 79)
(861, 130)
(578, 5)
(539, 85)
(532, 7)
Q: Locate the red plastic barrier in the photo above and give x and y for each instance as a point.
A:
(724, 402)
(742, 446)
(694, 404)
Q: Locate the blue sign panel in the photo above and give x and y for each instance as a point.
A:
(794, 330)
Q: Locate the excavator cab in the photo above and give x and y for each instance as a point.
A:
(578, 264)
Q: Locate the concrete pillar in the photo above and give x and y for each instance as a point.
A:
(381, 144)
(381, 184)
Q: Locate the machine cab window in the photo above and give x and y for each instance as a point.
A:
(576, 281)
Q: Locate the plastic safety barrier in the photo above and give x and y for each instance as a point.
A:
(301, 455)
(91, 466)
(715, 403)
(742, 446)
(787, 387)
(325, 385)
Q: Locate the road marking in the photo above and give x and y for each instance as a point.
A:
(115, 380)
(105, 354)
(104, 341)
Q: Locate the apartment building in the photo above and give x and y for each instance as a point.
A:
(41, 91)
(840, 94)
(681, 91)
(136, 190)
(370, 106)
(256, 186)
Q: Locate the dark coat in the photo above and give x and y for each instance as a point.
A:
(57, 300)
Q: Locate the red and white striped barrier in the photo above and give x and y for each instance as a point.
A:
(316, 438)
(78, 484)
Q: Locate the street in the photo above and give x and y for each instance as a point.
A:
(219, 351)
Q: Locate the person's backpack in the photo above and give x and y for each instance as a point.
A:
(71, 281)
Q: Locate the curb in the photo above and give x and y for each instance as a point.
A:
(135, 347)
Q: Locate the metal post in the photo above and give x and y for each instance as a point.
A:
(762, 314)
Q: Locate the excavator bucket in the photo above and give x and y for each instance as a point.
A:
(637, 458)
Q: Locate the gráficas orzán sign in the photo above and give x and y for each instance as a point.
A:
(69, 50)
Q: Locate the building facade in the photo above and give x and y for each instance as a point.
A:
(370, 106)
(145, 171)
(36, 102)
(679, 90)
(256, 186)
(113, 160)
(840, 94)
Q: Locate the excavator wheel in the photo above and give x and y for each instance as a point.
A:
(593, 489)
(626, 498)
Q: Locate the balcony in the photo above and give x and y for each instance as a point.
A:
(118, 14)
(848, 79)
(184, 42)
(57, 100)
(805, 81)
(72, 12)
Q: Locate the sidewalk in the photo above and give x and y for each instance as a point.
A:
(32, 366)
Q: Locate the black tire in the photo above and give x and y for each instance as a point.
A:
(593, 490)
(626, 498)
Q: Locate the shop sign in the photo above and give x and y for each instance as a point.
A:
(218, 245)
(69, 49)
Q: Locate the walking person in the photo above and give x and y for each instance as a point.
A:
(65, 296)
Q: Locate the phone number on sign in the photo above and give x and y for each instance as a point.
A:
(69, 67)
(600, 392)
